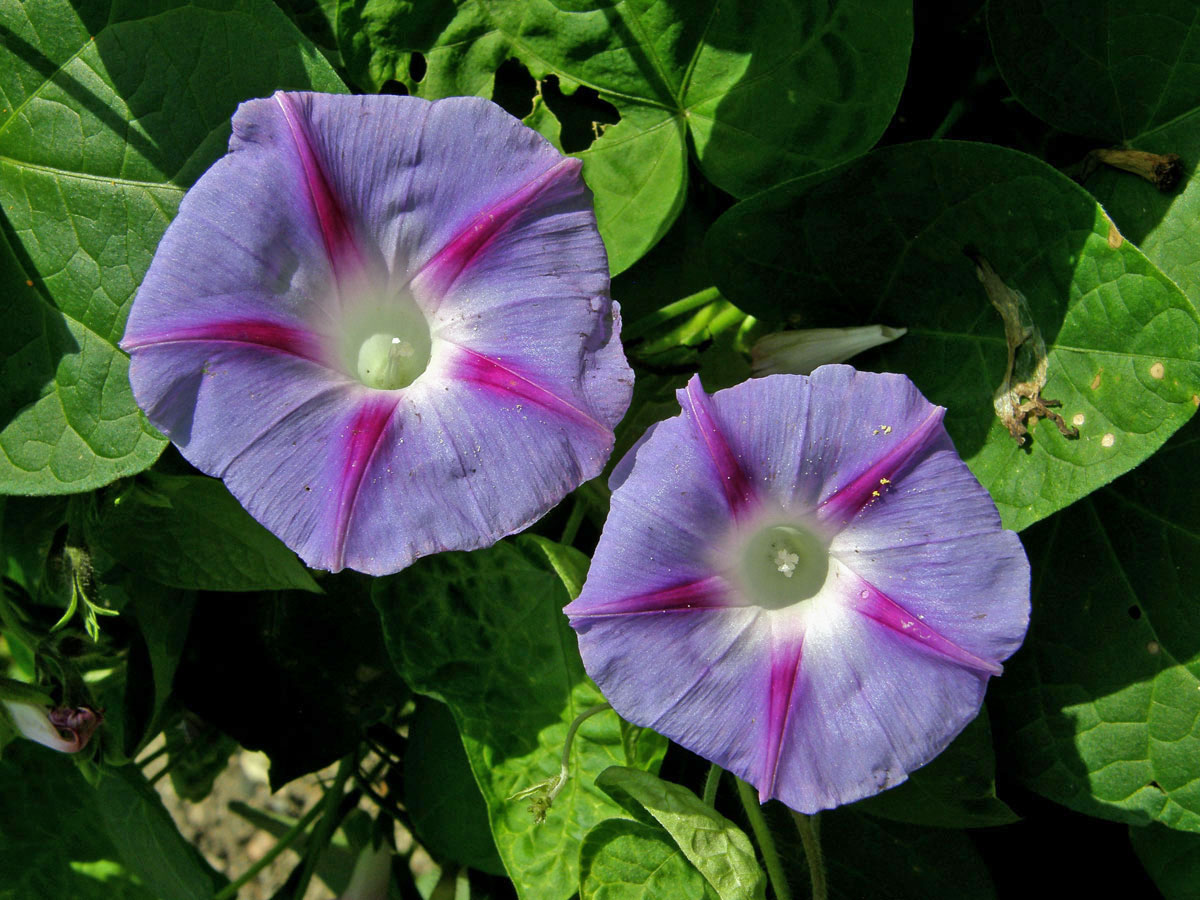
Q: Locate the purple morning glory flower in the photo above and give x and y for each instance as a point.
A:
(385, 323)
(802, 582)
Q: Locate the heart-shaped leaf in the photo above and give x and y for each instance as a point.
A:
(886, 240)
(108, 113)
(763, 90)
(1100, 710)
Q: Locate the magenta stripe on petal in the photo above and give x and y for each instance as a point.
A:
(493, 376)
(260, 333)
(344, 255)
(698, 407)
(442, 270)
(879, 607)
(705, 593)
(365, 434)
(847, 502)
(785, 665)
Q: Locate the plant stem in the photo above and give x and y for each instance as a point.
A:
(647, 322)
(810, 836)
(766, 841)
(711, 781)
(329, 821)
(573, 521)
(230, 890)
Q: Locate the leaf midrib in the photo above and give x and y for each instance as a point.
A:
(56, 172)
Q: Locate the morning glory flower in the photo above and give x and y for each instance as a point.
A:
(63, 728)
(801, 581)
(385, 324)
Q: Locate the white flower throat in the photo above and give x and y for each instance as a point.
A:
(385, 338)
(387, 361)
(780, 565)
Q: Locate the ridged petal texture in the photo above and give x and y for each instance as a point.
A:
(329, 214)
(839, 694)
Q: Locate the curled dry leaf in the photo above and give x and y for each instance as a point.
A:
(1163, 170)
(1018, 398)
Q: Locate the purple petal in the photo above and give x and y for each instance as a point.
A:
(866, 710)
(704, 674)
(672, 509)
(698, 409)
(703, 593)
(293, 430)
(333, 225)
(469, 456)
(249, 250)
(341, 245)
(932, 542)
(502, 227)
(841, 690)
(416, 175)
(869, 601)
(262, 334)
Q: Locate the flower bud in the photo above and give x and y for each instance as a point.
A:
(62, 728)
(799, 352)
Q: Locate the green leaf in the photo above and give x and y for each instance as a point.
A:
(108, 112)
(188, 531)
(449, 817)
(27, 535)
(1161, 224)
(1135, 91)
(148, 841)
(718, 849)
(53, 842)
(484, 633)
(866, 857)
(624, 860)
(764, 91)
(1100, 710)
(882, 240)
(1171, 859)
(458, 45)
(956, 790)
(67, 417)
(1113, 73)
(570, 564)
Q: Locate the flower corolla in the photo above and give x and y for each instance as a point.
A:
(384, 322)
(801, 581)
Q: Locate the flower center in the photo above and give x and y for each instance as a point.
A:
(782, 564)
(386, 342)
(387, 361)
